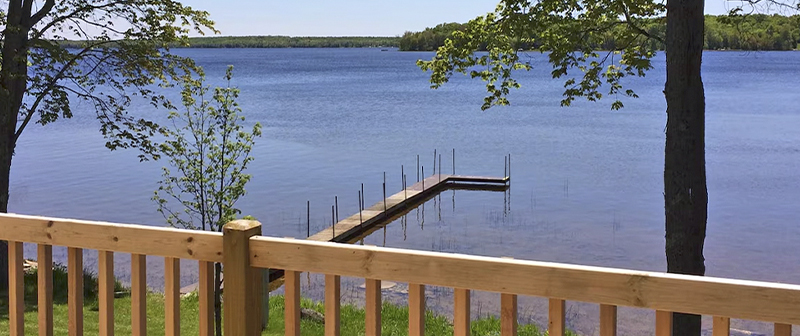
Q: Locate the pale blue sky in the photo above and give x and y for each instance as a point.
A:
(349, 17)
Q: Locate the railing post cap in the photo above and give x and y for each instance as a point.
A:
(241, 225)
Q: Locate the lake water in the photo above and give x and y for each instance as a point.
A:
(587, 181)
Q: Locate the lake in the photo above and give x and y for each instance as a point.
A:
(586, 182)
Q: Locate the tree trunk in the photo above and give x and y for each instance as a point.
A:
(685, 191)
(218, 298)
(13, 83)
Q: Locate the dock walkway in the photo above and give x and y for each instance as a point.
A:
(359, 225)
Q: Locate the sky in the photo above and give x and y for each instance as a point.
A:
(350, 17)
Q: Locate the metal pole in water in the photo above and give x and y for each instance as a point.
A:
(440, 167)
(402, 176)
(505, 166)
(360, 218)
(423, 178)
(384, 191)
(405, 191)
(308, 219)
(434, 163)
(454, 161)
(336, 202)
(333, 226)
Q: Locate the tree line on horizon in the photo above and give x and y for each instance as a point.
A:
(275, 41)
(722, 32)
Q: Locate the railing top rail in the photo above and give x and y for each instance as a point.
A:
(104, 236)
(773, 302)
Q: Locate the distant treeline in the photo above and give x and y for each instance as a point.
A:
(278, 42)
(292, 42)
(748, 32)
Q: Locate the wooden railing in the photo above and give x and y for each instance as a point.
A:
(243, 253)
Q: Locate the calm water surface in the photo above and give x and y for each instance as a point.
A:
(587, 181)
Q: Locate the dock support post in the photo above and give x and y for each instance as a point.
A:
(505, 166)
(336, 204)
(360, 218)
(434, 163)
(384, 191)
(423, 178)
(308, 219)
(333, 224)
(243, 290)
(417, 167)
(454, 161)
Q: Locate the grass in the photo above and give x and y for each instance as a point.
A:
(394, 320)
(394, 317)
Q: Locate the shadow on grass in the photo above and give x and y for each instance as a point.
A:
(60, 290)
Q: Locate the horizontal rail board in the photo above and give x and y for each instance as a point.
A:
(125, 238)
(661, 291)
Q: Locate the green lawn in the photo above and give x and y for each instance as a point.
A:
(394, 318)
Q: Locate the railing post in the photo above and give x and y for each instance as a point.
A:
(242, 302)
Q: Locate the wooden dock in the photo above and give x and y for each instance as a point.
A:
(358, 226)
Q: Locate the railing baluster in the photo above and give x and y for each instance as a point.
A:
(75, 291)
(556, 319)
(783, 329)
(663, 323)
(416, 310)
(105, 294)
(45, 297)
(292, 297)
(206, 298)
(461, 312)
(373, 307)
(722, 326)
(16, 290)
(608, 320)
(508, 314)
(332, 304)
(172, 296)
(138, 295)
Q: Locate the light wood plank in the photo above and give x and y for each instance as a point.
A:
(105, 294)
(416, 309)
(206, 297)
(172, 296)
(783, 329)
(508, 314)
(608, 320)
(45, 296)
(556, 325)
(332, 304)
(75, 290)
(16, 290)
(660, 291)
(240, 302)
(373, 307)
(138, 295)
(292, 297)
(123, 238)
(722, 326)
(663, 323)
(461, 308)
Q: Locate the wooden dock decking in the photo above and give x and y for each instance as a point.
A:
(355, 227)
